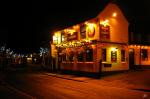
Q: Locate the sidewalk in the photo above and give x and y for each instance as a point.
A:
(134, 80)
(69, 77)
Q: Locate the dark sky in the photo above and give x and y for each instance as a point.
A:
(27, 24)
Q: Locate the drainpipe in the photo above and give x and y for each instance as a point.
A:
(140, 58)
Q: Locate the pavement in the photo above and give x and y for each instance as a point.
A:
(69, 77)
(134, 80)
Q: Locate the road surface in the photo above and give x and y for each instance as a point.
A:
(31, 84)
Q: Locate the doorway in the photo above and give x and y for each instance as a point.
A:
(131, 59)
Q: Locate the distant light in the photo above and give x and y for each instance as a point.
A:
(29, 59)
(31, 55)
(114, 14)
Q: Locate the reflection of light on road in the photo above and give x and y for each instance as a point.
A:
(145, 95)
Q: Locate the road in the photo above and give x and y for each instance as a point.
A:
(34, 84)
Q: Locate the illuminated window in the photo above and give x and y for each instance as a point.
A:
(144, 54)
(123, 55)
(89, 54)
(104, 53)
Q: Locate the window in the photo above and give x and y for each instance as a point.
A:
(104, 54)
(113, 56)
(64, 57)
(144, 54)
(89, 54)
(123, 55)
(71, 57)
(80, 56)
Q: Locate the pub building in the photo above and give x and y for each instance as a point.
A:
(96, 45)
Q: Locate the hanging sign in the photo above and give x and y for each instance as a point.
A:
(83, 31)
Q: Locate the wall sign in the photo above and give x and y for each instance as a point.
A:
(113, 56)
(104, 32)
(73, 36)
(83, 31)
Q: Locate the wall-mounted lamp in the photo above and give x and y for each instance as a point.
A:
(105, 23)
(114, 14)
(114, 49)
(70, 31)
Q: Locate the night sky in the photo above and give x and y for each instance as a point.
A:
(28, 24)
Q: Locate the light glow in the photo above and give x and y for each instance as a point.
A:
(90, 29)
(113, 49)
(70, 31)
(57, 38)
(114, 14)
(105, 23)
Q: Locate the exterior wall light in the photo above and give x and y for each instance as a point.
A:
(69, 31)
(105, 23)
(114, 14)
(113, 49)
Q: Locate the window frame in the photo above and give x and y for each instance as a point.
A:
(82, 54)
(144, 54)
(91, 55)
(123, 55)
(104, 59)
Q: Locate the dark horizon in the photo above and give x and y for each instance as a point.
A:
(29, 24)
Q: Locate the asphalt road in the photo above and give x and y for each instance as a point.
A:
(30, 83)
